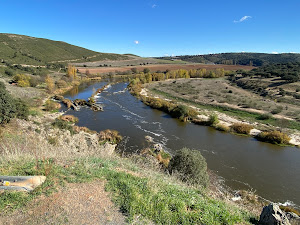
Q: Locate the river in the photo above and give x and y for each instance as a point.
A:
(244, 163)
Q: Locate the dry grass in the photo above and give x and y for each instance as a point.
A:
(242, 128)
(69, 118)
(39, 140)
(274, 137)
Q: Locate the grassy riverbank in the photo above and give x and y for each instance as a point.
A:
(139, 187)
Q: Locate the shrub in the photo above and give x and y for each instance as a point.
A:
(242, 128)
(213, 119)
(274, 137)
(191, 166)
(22, 80)
(222, 127)
(64, 125)
(51, 105)
(181, 112)
(277, 110)
(265, 116)
(112, 136)
(69, 118)
(61, 84)
(34, 81)
(9, 72)
(10, 107)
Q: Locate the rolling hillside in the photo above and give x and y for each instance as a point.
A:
(243, 58)
(20, 49)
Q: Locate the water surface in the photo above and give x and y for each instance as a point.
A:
(272, 171)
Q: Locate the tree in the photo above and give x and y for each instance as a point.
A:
(72, 71)
(50, 84)
(146, 70)
(134, 70)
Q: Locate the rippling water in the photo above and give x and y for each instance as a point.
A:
(272, 171)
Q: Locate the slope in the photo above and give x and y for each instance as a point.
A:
(20, 49)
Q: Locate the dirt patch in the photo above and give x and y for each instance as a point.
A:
(75, 204)
(162, 67)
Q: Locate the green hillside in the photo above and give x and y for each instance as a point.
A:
(243, 58)
(20, 49)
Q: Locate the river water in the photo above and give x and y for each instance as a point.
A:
(244, 163)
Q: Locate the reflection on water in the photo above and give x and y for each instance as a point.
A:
(74, 91)
(245, 163)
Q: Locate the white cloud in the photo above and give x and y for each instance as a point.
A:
(136, 42)
(166, 55)
(242, 19)
(154, 6)
(274, 52)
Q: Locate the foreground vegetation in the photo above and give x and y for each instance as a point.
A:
(139, 185)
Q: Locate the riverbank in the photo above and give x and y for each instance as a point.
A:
(227, 118)
(35, 147)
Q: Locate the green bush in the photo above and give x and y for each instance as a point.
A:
(10, 107)
(277, 110)
(265, 116)
(64, 125)
(51, 105)
(191, 166)
(9, 72)
(213, 119)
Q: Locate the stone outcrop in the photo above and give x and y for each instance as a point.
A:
(273, 215)
(293, 218)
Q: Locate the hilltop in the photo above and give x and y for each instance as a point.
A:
(21, 49)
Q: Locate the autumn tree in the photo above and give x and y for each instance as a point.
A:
(72, 72)
(50, 84)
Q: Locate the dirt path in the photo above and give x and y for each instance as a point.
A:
(87, 203)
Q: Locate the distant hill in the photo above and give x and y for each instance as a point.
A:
(20, 49)
(252, 59)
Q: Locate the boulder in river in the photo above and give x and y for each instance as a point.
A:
(95, 107)
(149, 138)
(273, 215)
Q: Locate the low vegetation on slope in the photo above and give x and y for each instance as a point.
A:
(139, 185)
(20, 49)
(242, 58)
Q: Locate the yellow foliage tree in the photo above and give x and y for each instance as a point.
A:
(72, 72)
(50, 84)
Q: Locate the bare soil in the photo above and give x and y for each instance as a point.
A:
(86, 203)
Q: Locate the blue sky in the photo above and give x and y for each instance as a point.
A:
(159, 27)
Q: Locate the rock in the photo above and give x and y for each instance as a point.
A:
(96, 108)
(293, 218)
(157, 147)
(109, 148)
(272, 215)
(21, 183)
(149, 138)
(80, 102)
